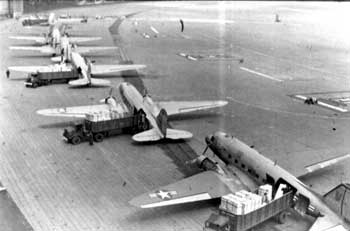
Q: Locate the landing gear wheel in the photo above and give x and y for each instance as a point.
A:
(98, 137)
(75, 140)
(281, 217)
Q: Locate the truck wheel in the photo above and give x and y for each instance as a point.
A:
(98, 137)
(35, 85)
(75, 140)
(281, 217)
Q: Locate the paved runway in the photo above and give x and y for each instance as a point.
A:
(58, 186)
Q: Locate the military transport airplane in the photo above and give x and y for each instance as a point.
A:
(53, 37)
(245, 168)
(63, 47)
(50, 20)
(156, 112)
(84, 68)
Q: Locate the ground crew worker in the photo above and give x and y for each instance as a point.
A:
(90, 138)
(8, 73)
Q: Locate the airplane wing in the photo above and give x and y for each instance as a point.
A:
(42, 49)
(203, 186)
(83, 39)
(76, 112)
(326, 224)
(87, 49)
(37, 39)
(107, 69)
(179, 107)
(34, 69)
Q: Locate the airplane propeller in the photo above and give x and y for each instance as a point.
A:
(110, 99)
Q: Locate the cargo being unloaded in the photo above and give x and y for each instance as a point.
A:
(97, 126)
(45, 78)
(243, 210)
(241, 202)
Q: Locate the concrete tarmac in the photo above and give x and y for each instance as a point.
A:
(58, 186)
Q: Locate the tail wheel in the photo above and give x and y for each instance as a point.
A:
(282, 217)
(98, 137)
(76, 140)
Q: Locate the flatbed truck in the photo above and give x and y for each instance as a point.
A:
(45, 78)
(96, 131)
(226, 221)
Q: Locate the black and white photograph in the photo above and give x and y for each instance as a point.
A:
(174, 115)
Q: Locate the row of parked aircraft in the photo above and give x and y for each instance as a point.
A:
(241, 166)
(68, 55)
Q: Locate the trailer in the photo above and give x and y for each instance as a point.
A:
(226, 221)
(92, 129)
(45, 78)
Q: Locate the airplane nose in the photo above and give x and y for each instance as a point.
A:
(210, 139)
(220, 134)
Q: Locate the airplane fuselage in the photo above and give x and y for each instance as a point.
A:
(236, 153)
(133, 99)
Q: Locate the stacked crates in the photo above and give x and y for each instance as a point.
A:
(265, 191)
(118, 112)
(240, 203)
(244, 202)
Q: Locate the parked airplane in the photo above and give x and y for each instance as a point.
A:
(53, 37)
(246, 169)
(63, 47)
(51, 20)
(84, 68)
(156, 113)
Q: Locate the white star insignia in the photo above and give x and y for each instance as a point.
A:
(163, 194)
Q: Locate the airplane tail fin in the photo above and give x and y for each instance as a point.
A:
(339, 200)
(162, 121)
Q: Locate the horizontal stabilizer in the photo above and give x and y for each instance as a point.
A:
(93, 82)
(154, 135)
(177, 134)
(203, 186)
(147, 136)
(99, 82)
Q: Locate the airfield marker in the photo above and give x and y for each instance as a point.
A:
(260, 74)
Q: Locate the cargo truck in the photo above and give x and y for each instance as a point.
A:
(96, 127)
(226, 220)
(45, 78)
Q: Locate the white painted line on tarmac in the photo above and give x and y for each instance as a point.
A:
(260, 74)
(331, 106)
(154, 30)
(323, 104)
